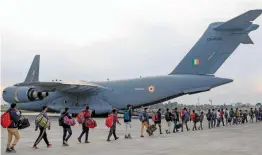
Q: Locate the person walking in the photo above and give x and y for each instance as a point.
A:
(194, 119)
(226, 116)
(144, 118)
(158, 120)
(209, 117)
(127, 121)
(175, 115)
(42, 134)
(184, 115)
(201, 118)
(113, 127)
(66, 128)
(168, 117)
(12, 129)
(85, 129)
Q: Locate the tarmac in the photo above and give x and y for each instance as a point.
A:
(245, 139)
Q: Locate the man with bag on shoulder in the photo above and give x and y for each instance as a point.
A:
(12, 129)
(42, 133)
(66, 127)
(85, 129)
(157, 118)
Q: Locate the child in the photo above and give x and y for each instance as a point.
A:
(113, 127)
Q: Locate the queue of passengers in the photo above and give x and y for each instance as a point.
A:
(13, 121)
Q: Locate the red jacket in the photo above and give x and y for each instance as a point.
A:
(86, 113)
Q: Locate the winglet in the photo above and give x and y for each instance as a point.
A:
(240, 22)
(33, 73)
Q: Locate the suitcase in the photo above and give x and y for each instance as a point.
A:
(151, 129)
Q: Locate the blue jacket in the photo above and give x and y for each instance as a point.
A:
(145, 115)
(14, 117)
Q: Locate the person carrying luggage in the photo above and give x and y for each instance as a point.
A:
(168, 117)
(66, 127)
(85, 129)
(144, 118)
(10, 120)
(43, 126)
(113, 127)
(127, 121)
(185, 117)
(157, 119)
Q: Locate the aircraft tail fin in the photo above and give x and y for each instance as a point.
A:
(217, 43)
(33, 73)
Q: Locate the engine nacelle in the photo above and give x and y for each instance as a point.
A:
(22, 95)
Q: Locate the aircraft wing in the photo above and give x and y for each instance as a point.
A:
(69, 87)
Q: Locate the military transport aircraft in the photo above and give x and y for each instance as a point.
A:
(194, 74)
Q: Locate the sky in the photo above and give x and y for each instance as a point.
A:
(116, 39)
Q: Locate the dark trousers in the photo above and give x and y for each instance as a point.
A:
(175, 124)
(222, 119)
(184, 122)
(210, 124)
(85, 130)
(214, 122)
(159, 125)
(42, 135)
(218, 122)
(65, 131)
(194, 126)
(112, 132)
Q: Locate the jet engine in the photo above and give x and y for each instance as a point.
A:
(22, 94)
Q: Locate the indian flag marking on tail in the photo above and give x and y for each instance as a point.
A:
(196, 62)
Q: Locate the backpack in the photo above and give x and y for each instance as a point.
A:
(155, 117)
(167, 116)
(61, 120)
(109, 121)
(126, 115)
(80, 118)
(186, 116)
(6, 120)
(226, 113)
(209, 116)
(42, 121)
